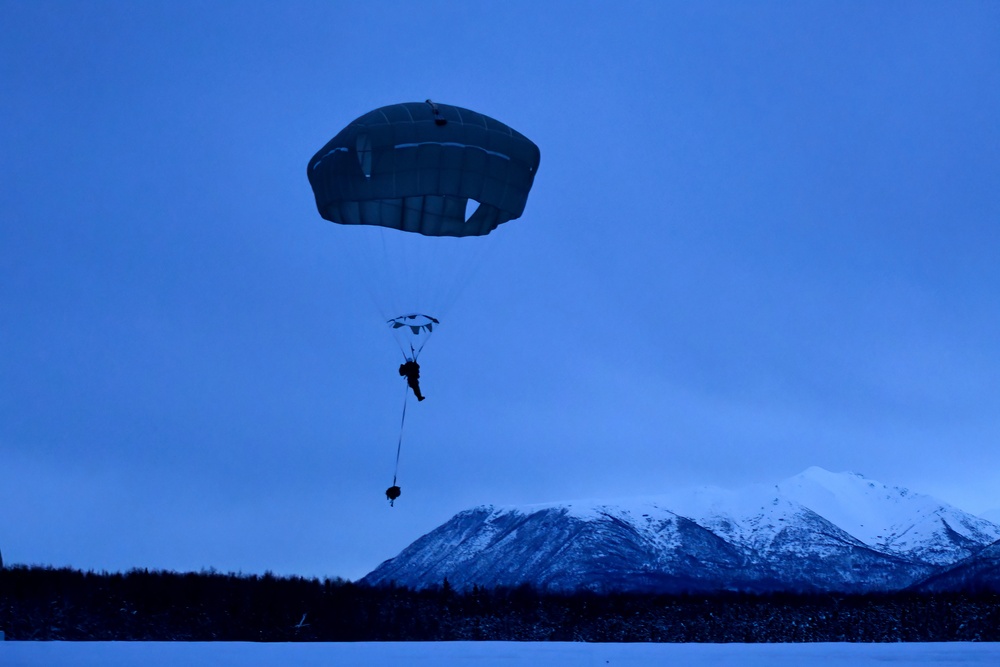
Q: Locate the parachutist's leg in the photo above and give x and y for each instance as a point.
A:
(415, 386)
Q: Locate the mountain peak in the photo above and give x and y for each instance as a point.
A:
(867, 509)
(824, 476)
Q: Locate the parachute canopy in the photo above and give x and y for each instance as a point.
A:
(415, 166)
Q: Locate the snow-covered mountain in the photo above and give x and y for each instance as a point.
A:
(980, 572)
(815, 531)
(991, 515)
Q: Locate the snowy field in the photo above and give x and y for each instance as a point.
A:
(489, 654)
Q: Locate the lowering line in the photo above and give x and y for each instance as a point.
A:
(394, 491)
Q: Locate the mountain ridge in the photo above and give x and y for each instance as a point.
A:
(816, 531)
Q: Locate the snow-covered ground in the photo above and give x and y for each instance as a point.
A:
(489, 654)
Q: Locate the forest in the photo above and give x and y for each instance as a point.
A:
(44, 603)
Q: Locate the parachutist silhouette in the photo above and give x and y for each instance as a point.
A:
(411, 371)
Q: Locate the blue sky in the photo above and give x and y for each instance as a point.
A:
(763, 237)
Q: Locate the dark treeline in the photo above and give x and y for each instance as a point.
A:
(63, 604)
